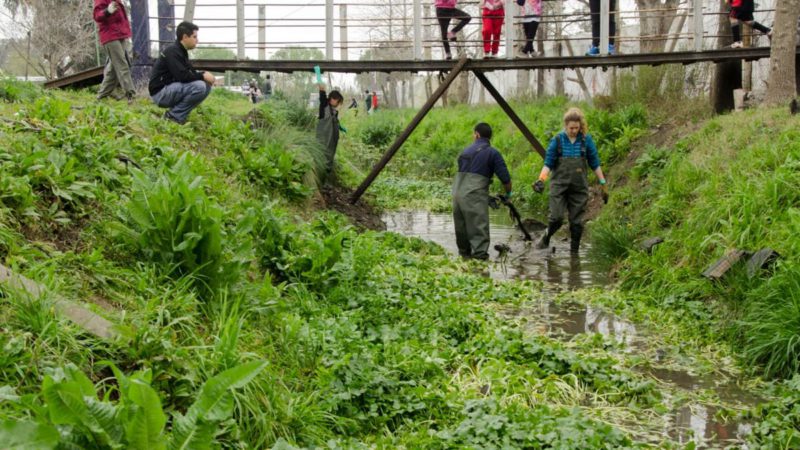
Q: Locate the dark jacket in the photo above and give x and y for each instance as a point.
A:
(172, 65)
(483, 159)
(111, 27)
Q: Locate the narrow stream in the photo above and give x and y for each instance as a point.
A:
(560, 271)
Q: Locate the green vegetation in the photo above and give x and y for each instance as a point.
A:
(247, 319)
(426, 163)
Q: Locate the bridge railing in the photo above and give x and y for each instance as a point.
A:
(411, 29)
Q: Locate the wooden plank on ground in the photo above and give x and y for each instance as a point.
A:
(78, 314)
(724, 264)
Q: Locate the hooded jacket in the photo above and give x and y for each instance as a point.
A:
(111, 27)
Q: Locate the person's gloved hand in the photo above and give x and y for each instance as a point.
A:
(538, 187)
(604, 191)
(506, 197)
(112, 7)
(342, 129)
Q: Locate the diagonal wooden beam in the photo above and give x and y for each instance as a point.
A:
(510, 112)
(457, 69)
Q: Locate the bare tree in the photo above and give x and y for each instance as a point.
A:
(655, 21)
(61, 31)
(782, 82)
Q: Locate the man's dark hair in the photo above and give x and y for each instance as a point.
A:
(186, 29)
(484, 130)
(336, 95)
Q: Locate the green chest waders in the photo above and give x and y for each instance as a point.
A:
(328, 137)
(569, 193)
(471, 214)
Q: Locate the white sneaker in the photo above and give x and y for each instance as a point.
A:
(737, 44)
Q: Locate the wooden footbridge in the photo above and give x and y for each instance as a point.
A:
(418, 33)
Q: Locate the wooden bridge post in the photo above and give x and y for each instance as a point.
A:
(166, 24)
(418, 29)
(605, 11)
(511, 6)
(329, 29)
(409, 129)
(698, 24)
(262, 32)
(188, 10)
(343, 31)
(240, 29)
(510, 112)
(140, 24)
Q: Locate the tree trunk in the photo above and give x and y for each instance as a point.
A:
(728, 75)
(782, 84)
(655, 21)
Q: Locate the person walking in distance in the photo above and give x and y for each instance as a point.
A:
(531, 12)
(445, 11)
(174, 83)
(493, 13)
(742, 12)
(374, 101)
(114, 30)
(594, 8)
(567, 157)
(476, 166)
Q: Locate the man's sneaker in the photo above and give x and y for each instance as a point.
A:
(448, 57)
(451, 36)
(170, 117)
(737, 44)
(611, 49)
(769, 36)
(593, 51)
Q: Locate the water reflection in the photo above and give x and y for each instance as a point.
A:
(557, 266)
(560, 270)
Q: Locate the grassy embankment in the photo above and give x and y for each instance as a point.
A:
(731, 183)
(248, 318)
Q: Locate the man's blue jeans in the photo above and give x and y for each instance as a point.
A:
(182, 98)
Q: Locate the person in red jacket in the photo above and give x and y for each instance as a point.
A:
(374, 101)
(493, 14)
(742, 11)
(114, 30)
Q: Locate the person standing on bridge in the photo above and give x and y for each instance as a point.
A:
(114, 30)
(476, 165)
(531, 12)
(742, 11)
(174, 83)
(328, 127)
(493, 12)
(445, 11)
(594, 9)
(568, 154)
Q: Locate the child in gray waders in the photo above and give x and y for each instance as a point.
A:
(476, 165)
(567, 158)
(328, 126)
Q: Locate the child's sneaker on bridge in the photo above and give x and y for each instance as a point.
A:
(611, 49)
(593, 51)
(737, 44)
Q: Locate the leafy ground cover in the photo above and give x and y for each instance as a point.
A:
(247, 318)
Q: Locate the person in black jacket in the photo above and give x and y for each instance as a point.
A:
(174, 83)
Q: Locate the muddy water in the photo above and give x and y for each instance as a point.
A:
(559, 270)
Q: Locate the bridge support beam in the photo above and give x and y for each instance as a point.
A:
(409, 129)
(510, 112)
(457, 69)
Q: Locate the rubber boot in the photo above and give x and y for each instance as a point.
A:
(575, 233)
(552, 227)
